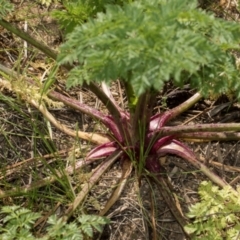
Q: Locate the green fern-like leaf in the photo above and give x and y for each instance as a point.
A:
(148, 42)
(88, 222)
(59, 230)
(18, 224)
(19, 216)
(216, 216)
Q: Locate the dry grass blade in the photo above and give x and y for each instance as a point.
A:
(45, 181)
(20, 166)
(163, 185)
(222, 166)
(98, 172)
(27, 188)
(126, 171)
(153, 218)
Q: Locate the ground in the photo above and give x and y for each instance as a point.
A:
(24, 135)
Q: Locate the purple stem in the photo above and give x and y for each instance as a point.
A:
(113, 110)
(212, 136)
(159, 120)
(107, 121)
(153, 165)
(140, 118)
(161, 142)
(199, 129)
(101, 151)
(179, 149)
(212, 127)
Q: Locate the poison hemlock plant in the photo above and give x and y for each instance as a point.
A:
(144, 44)
(217, 215)
(19, 222)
